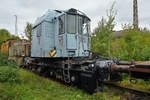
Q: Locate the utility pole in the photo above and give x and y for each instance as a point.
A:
(135, 14)
(16, 27)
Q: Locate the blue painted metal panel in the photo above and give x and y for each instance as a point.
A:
(71, 41)
(49, 39)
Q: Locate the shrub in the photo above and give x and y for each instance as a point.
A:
(8, 70)
(135, 45)
(5, 62)
(9, 74)
(101, 41)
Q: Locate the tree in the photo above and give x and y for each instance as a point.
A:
(28, 31)
(101, 41)
(5, 35)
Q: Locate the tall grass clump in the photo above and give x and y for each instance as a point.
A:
(8, 70)
(9, 74)
(3, 60)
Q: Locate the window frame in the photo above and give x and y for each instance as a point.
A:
(80, 19)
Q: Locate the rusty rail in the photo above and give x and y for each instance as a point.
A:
(133, 90)
(138, 69)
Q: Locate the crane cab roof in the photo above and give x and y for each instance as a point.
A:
(51, 14)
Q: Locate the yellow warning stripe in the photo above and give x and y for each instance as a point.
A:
(52, 53)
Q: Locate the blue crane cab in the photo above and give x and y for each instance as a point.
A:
(61, 34)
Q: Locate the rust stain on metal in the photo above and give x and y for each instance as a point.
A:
(115, 67)
(16, 49)
(140, 70)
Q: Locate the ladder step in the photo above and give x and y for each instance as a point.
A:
(65, 68)
(66, 76)
(66, 73)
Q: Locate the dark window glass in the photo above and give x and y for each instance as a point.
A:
(39, 30)
(62, 24)
(39, 40)
(71, 23)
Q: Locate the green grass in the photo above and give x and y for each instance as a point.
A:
(34, 87)
(140, 84)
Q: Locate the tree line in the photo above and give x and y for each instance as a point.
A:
(134, 44)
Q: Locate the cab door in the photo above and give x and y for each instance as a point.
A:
(71, 36)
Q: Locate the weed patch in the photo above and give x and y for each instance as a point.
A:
(9, 74)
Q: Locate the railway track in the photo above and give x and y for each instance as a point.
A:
(129, 89)
(112, 84)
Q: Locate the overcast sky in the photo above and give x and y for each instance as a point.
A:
(29, 10)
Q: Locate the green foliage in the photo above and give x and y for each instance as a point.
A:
(28, 31)
(140, 85)
(1, 44)
(4, 35)
(102, 39)
(100, 96)
(9, 74)
(34, 87)
(8, 70)
(5, 62)
(134, 45)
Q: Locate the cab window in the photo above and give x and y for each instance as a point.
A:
(62, 24)
(39, 30)
(71, 23)
(83, 25)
